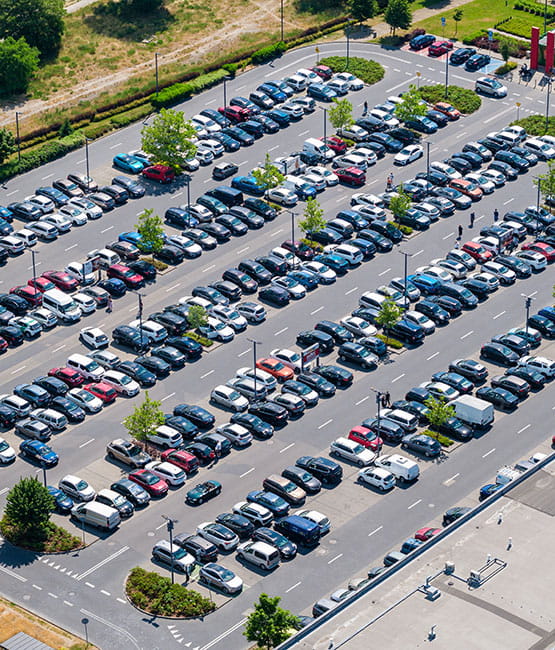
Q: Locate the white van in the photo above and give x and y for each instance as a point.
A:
(61, 305)
(260, 554)
(103, 258)
(372, 300)
(512, 139)
(96, 515)
(543, 150)
(28, 237)
(56, 421)
(407, 421)
(401, 467)
(297, 82)
(319, 148)
(165, 436)
(86, 366)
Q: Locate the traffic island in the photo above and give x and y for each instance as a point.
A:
(52, 539)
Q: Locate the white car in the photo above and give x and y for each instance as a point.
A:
(229, 398)
(352, 451)
(206, 123)
(351, 253)
(122, 383)
(350, 160)
(7, 453)
(201, 212)
(28, 237)
(94, 338)
(43, 230)
(27, 324)
(230, 316)
(436, 272)
(204, 154)
(354, 82)
(370, 211)
(307, 103)
(236, 434)
(155, 332)
(431, 211)
(265, 378)
(440, 390)
(293, 287)
(86, 303)
(484, 183)
(215, 147)
(364, 198)
(108, 360)
(221, 536)
(76, 488)
(292, 109)
(45, 317)
(252, 311)
(409, 154)
(354, 132)
(390, 121)
(12, 244)
(463, 257)
(316, 181)
(85, 400)
(63, 224)
(317, 518)
(287, 256)
(21, 406)
(282, 196)
(92, 210)
(456, 269)
(257, 514)
(358, 326)
(289, 358)
(494, 176)
(445, 169)
(43, 203)
(188, 245)
(537, 261)
(501, 272)
(76, 215)
(215, 329)
(490, 243)
(324, 174)
(368, 154)
(377, 477)
(543, 365)
(78, 271)
(196, 300)
(324, 273)
(418, 318)
(166, 437)
(172, 474)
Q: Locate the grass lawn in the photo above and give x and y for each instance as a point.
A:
(477, 15)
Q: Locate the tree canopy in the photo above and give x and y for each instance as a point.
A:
(269, 625)
(18, 63)
(28, 506)
(151, 231)
(398, 15)
(145, 418)
(268, 175)
(169, 138)
(7, 144)
(440, 411)
(389, 315)
(341, 113)
(197, 316)
(313, 217)
(39, 22)
(411, 106)
(399, 204)
(361, 10)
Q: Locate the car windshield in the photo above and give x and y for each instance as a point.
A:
(124, 379)
(82, 485)
(225, 574)
(3, 445)
(119, 500)
(179, 554)
(234, 395)
(149, 478)
(86, 396)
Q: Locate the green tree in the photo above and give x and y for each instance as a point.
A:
(341, 114)
(150, 228)
(18, 63)
(505, 51)
(313, 217)
(399, 204)
(197, 316)
(268, 175)
(7, 144)
(39, 22)
(398, 15)
(457, 17)
(269, 625)
(546, 181)
(361, 10)
(389, 315)
(28, 507)
(145, 418)
(65, 129)
(169, 138)
(411, 105)
(440, 411)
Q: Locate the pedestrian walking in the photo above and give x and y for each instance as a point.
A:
(495, 215)
(384, 401)
(472, 217)
(514, 243)
(387, 399)
(457, 243)
(460, 231)
(109, 305)
(365, 109)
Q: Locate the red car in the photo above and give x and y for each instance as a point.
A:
(155, 486)
(424, 534)
(335, 144)
(466, 187)
(30, 294)
(182, 459)
(62, 280)
(103, 391)
(42, 284)
(323, 72)
(450, 111)
(366, 438)
(159, 173)
(275, 368)
(131, 279)
(477, 251)
(301, 250)
(70, 377)
(235, 113)
(543, 249)
(3, 344)
(351, 176)
(437, 48)
(125, 250)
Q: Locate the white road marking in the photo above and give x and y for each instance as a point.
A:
(276, 232)
(244, 162)
(167, 397)
(524, 428)
(12, 192)
(449, 235)
(70, 247)
(499, 314)
(66, 602)
(467, 334)
(453, 477)
(86, 443)
(498, 114)
(120, 600)
(273, 148)
(316, 311)
(231, 629)
(403, 83)
(508, 201)
(461, 135)
(242, 354)
(106, 230)
(325, 424)
(173, 287)
(376, 530)
(89, 584)
(335, 558)
(418, 252)
(45, 177)
(133, 640)
(212, 101)
(247, 472)
(13, 372)
(488, 453)
(397, 378)
(414, 504)
(206, 374)
(106, 593)
(286, 448)
(304, 132)
(13, 574)
(293, 586)
(533, 294)
(209, 268)
(283, 329)
(178, 194)
(361, 401)
(432, 356)
(103, 562)
(37, 587)
(243, 250)
(116, 145)
(161, 525)
(384, 272)
(52, 595)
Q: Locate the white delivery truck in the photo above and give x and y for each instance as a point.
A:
(473, 411)
(97, 515)
(319, 148)
(506, 475)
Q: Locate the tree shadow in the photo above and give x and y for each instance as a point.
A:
(118, 20)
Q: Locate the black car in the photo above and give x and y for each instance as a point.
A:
(516, 385)
(499, 397)
(374, 344)
(418, 394)
(435, 177)
(269, 125)
(476, 286)
(421, 444)
(247, 284)
(439, 118)
(7, 416)
(203, 239)
(472, 370)
(52, 385)
(473, 159)
(202, 492)
(131, 491)
(454, 428)
(325, 470)
(499, 354)
(170, 254)
(451, 305)
(131, 337)
(11, 334)
(476, 61)
(25, 211)
(514, 160)
(406, 331)
(186, 428)
(228, 289)
(387, 141)
(179, 218)
(174, 324)
(307, 338)
(248, 217)
(382, 244)
(535, 379)
(274, 414)
(15, 304)
(507, 170)
(300, 389)
(236, 133)
(240, 525)
(460, 164)
(115, 287)
(406, 136)
(461, 55)
(232, 223)
(304, 479)
(357, 354)
(366, 247)
(544, 325)
(287, 549)
(133, 188)
(514, 342)
(386, 429)
(274, 265)
(339, 377)
(337, 332)
(196, 414)
(68, 408)
(433, 311)
(455, 513)
(275, 296)
(415, 408)
(260, 207)
(322, 386)
(140, 374)
(493, 144)
(157, 366)
(144, 268)
(455, 380)
(387, 230)
(259, 429)
(118, 193)
(256, 271)
(216, 441)
(201, 549)
(191, 349)
(200, 450)
(34, 394)
(220, 233)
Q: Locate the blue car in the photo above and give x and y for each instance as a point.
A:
(131, 237)
(128, 163)
(548, 312)
(5, 227)
(275, 504)
(62, 503)
(422, 123)
(114, 286)
(273, 92)
(53, 194)
(487, 490)
(6, 214)
(38, 452)
(336, 262)
(305, 278)
(428, 284)
(247, 184)
(321, 92)
(305, 191)
(280, 117)
(410, 544)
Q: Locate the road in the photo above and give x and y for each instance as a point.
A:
(89, 584)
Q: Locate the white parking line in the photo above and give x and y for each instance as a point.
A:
(461, 135)
(209, 268)
(414, 504)
(52, 595)
(206, 374)
(242, 621)
(403, 83)
(242, 354)
(37, 587)
(212, 101)
(316, 311)
(70, 247)
(453, 477)
(449, 235)
(273, 148)
(488, 453)
(499, 314)
(66, 602)
(304, 132)
(432, 356)
(161, 525)
(384, 272)
(376, 530)
(361, 401)
(325, 424)
(335, 558)
(106, 593)
(60, 347)
(243, 250)
(46, 177)
(167, 397)
(293, 587)
(106, 230)
(351, 291)
(286, 448)
(87, 443)
(14, 372)
(284, 329)
(116, 145)
(244, 162)
(173, 287)
(276, 232)
(418, 252)
(467, 334)
(508, 201)
(12, 192)
(397, 378)
(524, 428)
(247, 472)
(89, 584)
(178, 194)
(533, 294)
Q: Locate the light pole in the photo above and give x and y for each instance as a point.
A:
(87, 140)
(156, 68)
(527, 305)
(446, 73)
(17, 135)
(33, 253)
(517, 111)
(379, 396)
(188, 178)
(170, 524)
(406, 256)
(325, 120)
(418, 75)
(348, 33)
(545, 18)
(547, 102)
(293, 215)
(427, 167)
(538, 205)
(140, 297)
(254, 344)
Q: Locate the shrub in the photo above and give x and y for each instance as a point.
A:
(444, 441)
(230, 68)
(516, 26)
(157, 595)
(200, 339)
(406, 230)
(394, 343)
(463, 99)
(506, 67)
(369, 71)
(157, 264)
(180, 91)
(535, 125)
(268, 53)
(54, 540)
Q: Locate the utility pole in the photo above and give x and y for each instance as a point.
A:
(446, 73)
(406, 256)
(281, 16)
(254, 344)
(538, 205)
(293, 215)
(33, 253)
(156, 68)
(140, 296)
(379, 395)
(325, 120)
(87, 163)
(547, 102)
(527, 305)
(170, 523)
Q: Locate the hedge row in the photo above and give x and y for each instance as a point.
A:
(268, 53)
(463, 99)
(181, 91)
(369, 71)
(535, 9)
(535, 125)
(444, 441)
(517, 47)
(506, 67)
(205, 342)
(394, 343)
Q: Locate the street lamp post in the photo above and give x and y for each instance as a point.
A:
(406, 256)
(518, 104)
(527, 305)
(254, 344)
(293, 215)
(33, 254)
(85, 622)
(170, 525)
(87, 162)
(188, 178)
(379, 396)
(44, 475)
(538, 205)
(325, 110)
(140, 297)
(281, 19)
(547, 101)
(17, 135)
(446, 73)
(156, 68)
(427, 167)
(348, 33)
